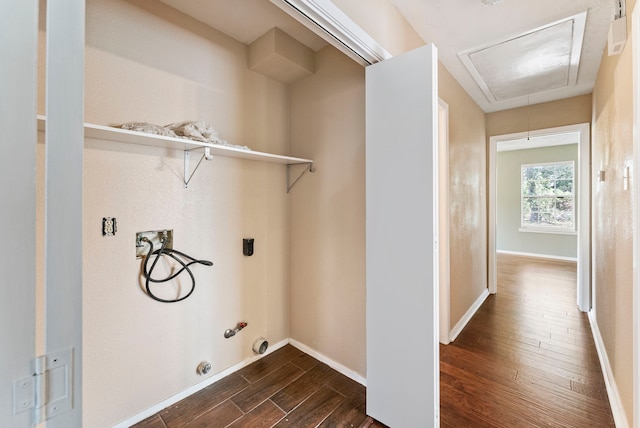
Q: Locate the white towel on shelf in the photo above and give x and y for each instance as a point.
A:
(192, 130)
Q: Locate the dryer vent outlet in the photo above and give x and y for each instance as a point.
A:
(260, 345)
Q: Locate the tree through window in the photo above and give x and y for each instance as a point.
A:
(548, 196)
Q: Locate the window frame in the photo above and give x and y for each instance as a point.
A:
(549, 229)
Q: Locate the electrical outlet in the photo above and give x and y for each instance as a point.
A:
(109, 227)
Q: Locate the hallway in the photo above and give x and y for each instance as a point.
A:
(527, 358)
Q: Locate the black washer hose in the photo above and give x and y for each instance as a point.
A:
(185, 267)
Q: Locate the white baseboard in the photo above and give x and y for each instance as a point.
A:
(457, 329)
(197, 387)
(619, 415)
(328, 361)
(540, 256)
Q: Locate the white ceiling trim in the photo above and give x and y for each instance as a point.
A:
(578, 22)
(329, 22)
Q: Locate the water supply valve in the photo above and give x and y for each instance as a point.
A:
(232, 332)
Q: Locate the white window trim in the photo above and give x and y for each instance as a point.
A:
(550, 229)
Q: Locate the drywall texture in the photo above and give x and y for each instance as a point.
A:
(467, 197)
(146, 62)
(612, 243)
(569, 111)
(328, 211)
(508, 203)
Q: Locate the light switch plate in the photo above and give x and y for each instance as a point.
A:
(625, 178)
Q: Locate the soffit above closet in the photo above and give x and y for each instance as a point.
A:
(496, 51)
(246, 20)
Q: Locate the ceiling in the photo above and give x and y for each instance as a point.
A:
(524, 51)
(506, 55)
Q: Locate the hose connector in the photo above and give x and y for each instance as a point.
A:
(232, 332)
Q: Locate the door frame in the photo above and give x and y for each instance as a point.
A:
(583, 210)
(443, 219)
(635, 23)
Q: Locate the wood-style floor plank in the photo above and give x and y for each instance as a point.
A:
(350, 413)
(184, 411)
(526, 359)
(220, 416)
(313, 410)
(265, 415)
(312, 392)
(302, 388)
(256, 393)
(269, 363)
(154, 421)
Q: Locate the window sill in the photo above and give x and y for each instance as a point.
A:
(554, 231)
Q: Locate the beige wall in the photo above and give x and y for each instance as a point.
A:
(569, 111)
(328, 211)
(467, 197)
(612, 151)
(328, 207)
(139, 352)
(159, 66)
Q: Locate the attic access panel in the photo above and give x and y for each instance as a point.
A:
(540, 60)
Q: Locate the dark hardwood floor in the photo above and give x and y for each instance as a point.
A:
(286, 388)
(526, 359)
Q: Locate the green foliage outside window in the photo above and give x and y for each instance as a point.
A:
(548, 195)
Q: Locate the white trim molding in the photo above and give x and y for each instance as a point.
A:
(539, 256)
(444, 259)
(218, 376)
(619, 416)
(550, 230)
(460, 325)
(197, 387)
(583, 213)
(328, 361)
(635, 22)
(330, 23)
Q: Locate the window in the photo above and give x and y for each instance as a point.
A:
(548, 197)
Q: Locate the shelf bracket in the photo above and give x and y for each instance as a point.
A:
(187, 177)
(309, 167)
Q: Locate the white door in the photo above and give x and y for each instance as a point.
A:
(19, 21)
(402, 230)
(61, 399)
(64, 142)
